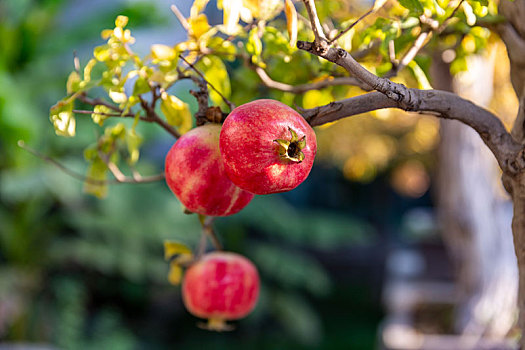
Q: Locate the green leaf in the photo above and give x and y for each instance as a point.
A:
(297, 316)
(413, 5)
(133, 142)
(275, 43)
(254, 44)
(177, 112)
(215, 72)
(420, 76)
(291, 268)
(141, 86)
(97, 171)
(223, 48)
(482, 2)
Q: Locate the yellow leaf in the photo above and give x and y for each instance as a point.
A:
(118, 96)
(73, 81)
(263, 9)
(378, 4)
(197, 7)
(177, 112)
(314, 98)
(469, 13)
(106, 33)
(231, 14)
(175, 274)
(99, 114)
(64, 123)
(87, 69)
(253, 6)
(216, 74)
(291, 21)
(62, 117)
(121, 21)
(102, 53)
(162, 52)
(198, 25)
(172, 248)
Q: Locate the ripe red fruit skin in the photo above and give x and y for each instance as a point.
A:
(221, 286)
(195, 174)
(251, 154)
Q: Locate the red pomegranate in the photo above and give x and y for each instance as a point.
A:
(195, 173)
(267, 147)
(221, 286)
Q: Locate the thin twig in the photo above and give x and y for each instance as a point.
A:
(207, 228)
(76, 62)
(84, 178)
(202, 245)
(343, 32)
(320, 37)
(298, 89)
(180, 17)
(155, 119)
(392, 52)
(228, 102)
(98, 101)
(445, 22)
(420, 41)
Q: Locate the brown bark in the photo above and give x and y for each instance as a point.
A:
(518, 229)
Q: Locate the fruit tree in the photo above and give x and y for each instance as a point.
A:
(322, 64)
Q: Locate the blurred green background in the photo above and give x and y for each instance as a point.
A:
(81, 273)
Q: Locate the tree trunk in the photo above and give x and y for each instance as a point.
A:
(518, 229)
(476, 218)
(513, 34)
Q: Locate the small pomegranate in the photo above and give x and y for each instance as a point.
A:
(267, 147)
(195, 174)
(221, 286)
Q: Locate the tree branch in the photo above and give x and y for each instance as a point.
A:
(320, 38)
(151, 118)
(87, 179)
(441, 103)
(228, 102)
(343, 32)
(298, 89)
(207, 229)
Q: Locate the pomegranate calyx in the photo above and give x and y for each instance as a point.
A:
(217, 325)
(291, 149)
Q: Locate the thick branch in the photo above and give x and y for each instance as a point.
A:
(346, 108)
(443, 104)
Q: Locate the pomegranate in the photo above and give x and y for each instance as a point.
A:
(220, 286)
(195, 174)
(267, 147)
